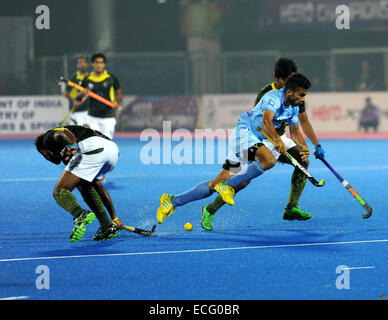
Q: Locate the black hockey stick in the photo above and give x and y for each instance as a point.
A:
(296, 164)
(146, 233)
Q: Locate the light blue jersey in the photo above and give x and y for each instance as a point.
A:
(273, 101)
(246, 135)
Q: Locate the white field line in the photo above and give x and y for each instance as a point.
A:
(194, 250)
(358, 268)
(198, 173)
(15, 298)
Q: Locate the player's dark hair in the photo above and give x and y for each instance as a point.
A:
(39, 142)
(82, 58)
(51, 141)
(43, 142)
(98, 55)
(284, 67)
(295, 81)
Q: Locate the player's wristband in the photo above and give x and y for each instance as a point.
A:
(72, 145)
(319, 152)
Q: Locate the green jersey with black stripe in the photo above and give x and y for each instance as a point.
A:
(282, 129)
(105, 85)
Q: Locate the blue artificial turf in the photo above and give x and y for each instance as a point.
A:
(251, 254)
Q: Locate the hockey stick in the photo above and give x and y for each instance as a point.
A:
(296, 164)
(71, 111)
(90, 93)
(67, 115)
(146, 233)
(350, 189)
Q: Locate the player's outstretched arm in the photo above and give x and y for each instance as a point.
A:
(296, 135)
(309, 132)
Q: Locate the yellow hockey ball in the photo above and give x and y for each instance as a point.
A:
(188, 226)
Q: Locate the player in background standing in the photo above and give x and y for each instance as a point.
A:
(78, 117)
(100, 116)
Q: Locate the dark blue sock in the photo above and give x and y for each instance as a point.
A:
(198, 192)
(253, 171)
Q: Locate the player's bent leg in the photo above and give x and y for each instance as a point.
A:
(105, 233)
(95, 203)
(265, 158)
(210, 209)
(64, 197)
(63, 193)
(80, 224)
(222, 176)
(169, 203)
(166, 207)
(298, 182)
(67, 181)
(207, 219)
(226, 194)
(207, 215)
(264, 161)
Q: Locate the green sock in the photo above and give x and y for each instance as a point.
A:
(213, 207)
(93, 200)
(68, 201)
(298, 182)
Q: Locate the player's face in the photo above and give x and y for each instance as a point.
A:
(99, 65)
(295, 97)
(50, 156)
(82, 65)
(281, 82)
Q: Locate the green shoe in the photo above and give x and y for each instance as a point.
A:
(107, 233)
(296, 214)
(207, 218)
(80, 224)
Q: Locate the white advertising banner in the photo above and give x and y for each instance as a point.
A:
(328, 112)
(222, 111)
(340, 112)
(31, 114)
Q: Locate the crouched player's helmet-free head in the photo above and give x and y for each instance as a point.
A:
(50, 145)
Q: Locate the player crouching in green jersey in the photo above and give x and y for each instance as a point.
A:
(87, 154)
